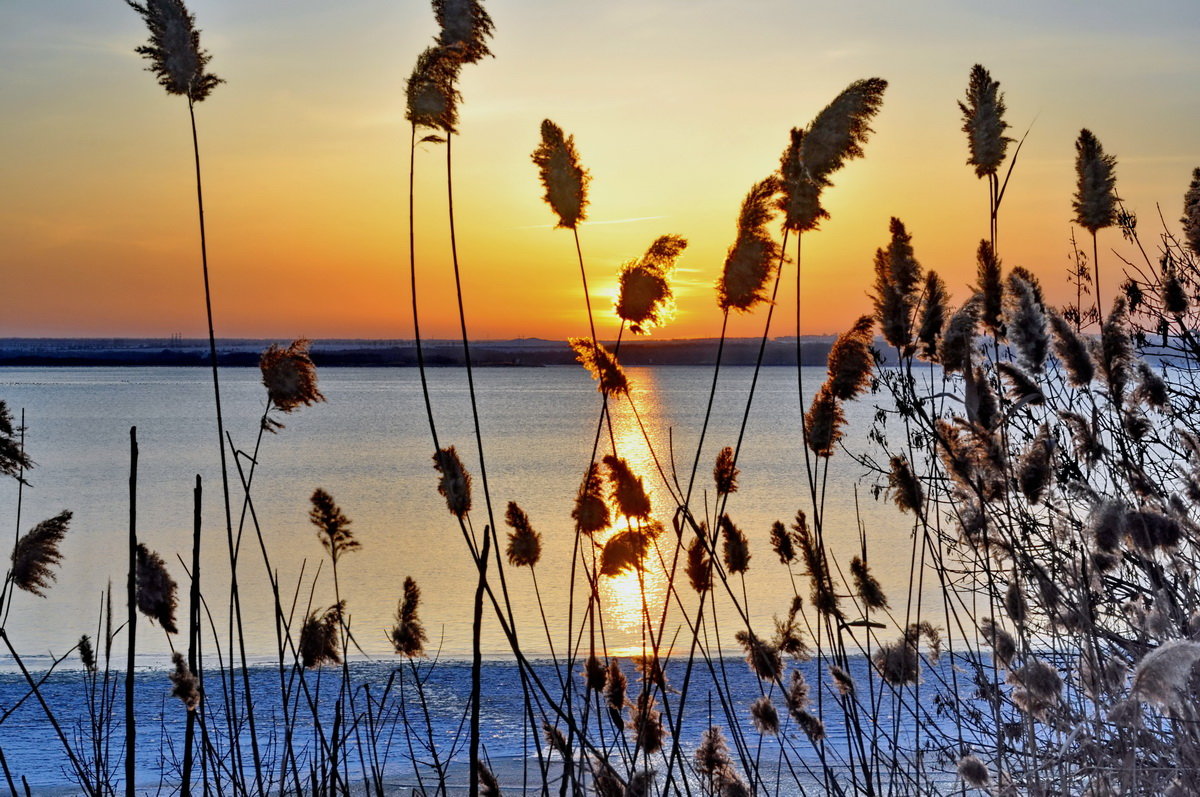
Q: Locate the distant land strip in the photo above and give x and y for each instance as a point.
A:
(520, 352)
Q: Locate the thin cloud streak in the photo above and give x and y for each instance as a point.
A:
(592, 223)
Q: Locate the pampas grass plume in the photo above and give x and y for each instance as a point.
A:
(958, 341)
(752, 259)
(983, 122)
(645, 299)
(432, 99)
(319, 637)
(906, 489)
(851, 359)
(524, 543)
(933, 315)
(36, 553)
(184, 683)
(408, 635)
(156, 590)
(1095, 201)
(765, 716)
(174, 52)
(1072, 352)
(455, 482)
(465, 28)
(823, 422)
(333, 527)
(624, 551)
(564, 180)
(290, 376)
(988, 273)
(601, 364)
(725, 472)
(628, 492)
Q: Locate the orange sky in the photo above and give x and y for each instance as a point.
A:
(677, 108)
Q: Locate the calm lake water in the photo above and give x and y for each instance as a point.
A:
(369, 446)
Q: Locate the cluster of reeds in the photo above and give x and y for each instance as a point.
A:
(1050, 472)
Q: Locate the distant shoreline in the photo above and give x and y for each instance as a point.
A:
(522, 352)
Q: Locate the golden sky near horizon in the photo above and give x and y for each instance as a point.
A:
(676, 107)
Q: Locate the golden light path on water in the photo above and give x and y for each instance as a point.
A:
(629, 598)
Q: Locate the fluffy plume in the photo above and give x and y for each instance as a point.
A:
(1174, 297)
(524, 543)
(841, 680)
(174, 52)
(983, 122)
(184, 683)
(156, 590)
(933, 315)
(797, 693)
(616, 686)
(1022, 388)
(725, 472)
(905, 486)
(1038, 687)
(408, 635)
(1116, 349)
(13, 460)
(432, 99)
(867, 586)
(333, 527)
(958, 341)
(1162, 676)
(1148, 531)
(488, 785)
(1026, 325)
(823, 422)
(1095, 201)
(454, 483)
(1191, 214)
(646, 723)
(595, 674)
(735, 547)
(752, 259)
(824, 599)
(1151, 389)
(319, 637)
(1015, 603)
(87, 654)
(601, 364)
(781, 543)
(851, 360)
(766, 718)
(290, 378)
(699, 566)
(465, 28)
(1002, 643)
(556, 740)
(1071, 350)
(36, 553)
(641, 783)
(712, 754)
(897, 275)
(591, 510)
(1034, 471)
(788, 636)
(763, 657)
(834, 136)
(605, 780)
(627, 490)
(973, 771)
(563, 178)
(990, 288)
(624, 551)
(645, 299)
(897, 662)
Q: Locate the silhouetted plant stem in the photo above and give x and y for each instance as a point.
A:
(235, 600)
(193, 638)
(1096, 271)
(477, 659)
(131, 620)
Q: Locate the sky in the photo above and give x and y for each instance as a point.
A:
(677, 108)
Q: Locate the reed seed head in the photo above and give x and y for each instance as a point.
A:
(156, 590)
(616, 687)
(646, 723)
(184, 683)
(1038, 686)
(432, 99)
(524, 544)
(983, 122)
(905, 487)
(1191, 214)
(408, 634)
(958, 341)
(991, 288)
(13, 459)
(841, 680)
(488, 785)
(1026, 325)
(628, 492)
(601, 364)
(591, 510)
(564, 180)
(1034, 471)
(605, 780)
(595, 674)
(781, 543)
(465, 28)
(1152, 389)
(454, 483)
(753, 257)
(851, 360)
(173, 51)
(1072, 352)
(1002, 643)
(897, 662)
(36, 553)
(333, 527)
(765, 716)
(735, 547)
(800, 194)
(556, 740)
(797, 696)
(823, 422)
(319, 637)
(837, 134)
(725, 472)
(290, 377)
(641, 783)
(763, 657)
(933, 315)
(712, 754)
(1116, 349)
(1096, 197)
(974, 772)
(623, 552)
(87, 654)
(867, 587)
(1163, 675)
(645, 299)
(699, 566)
